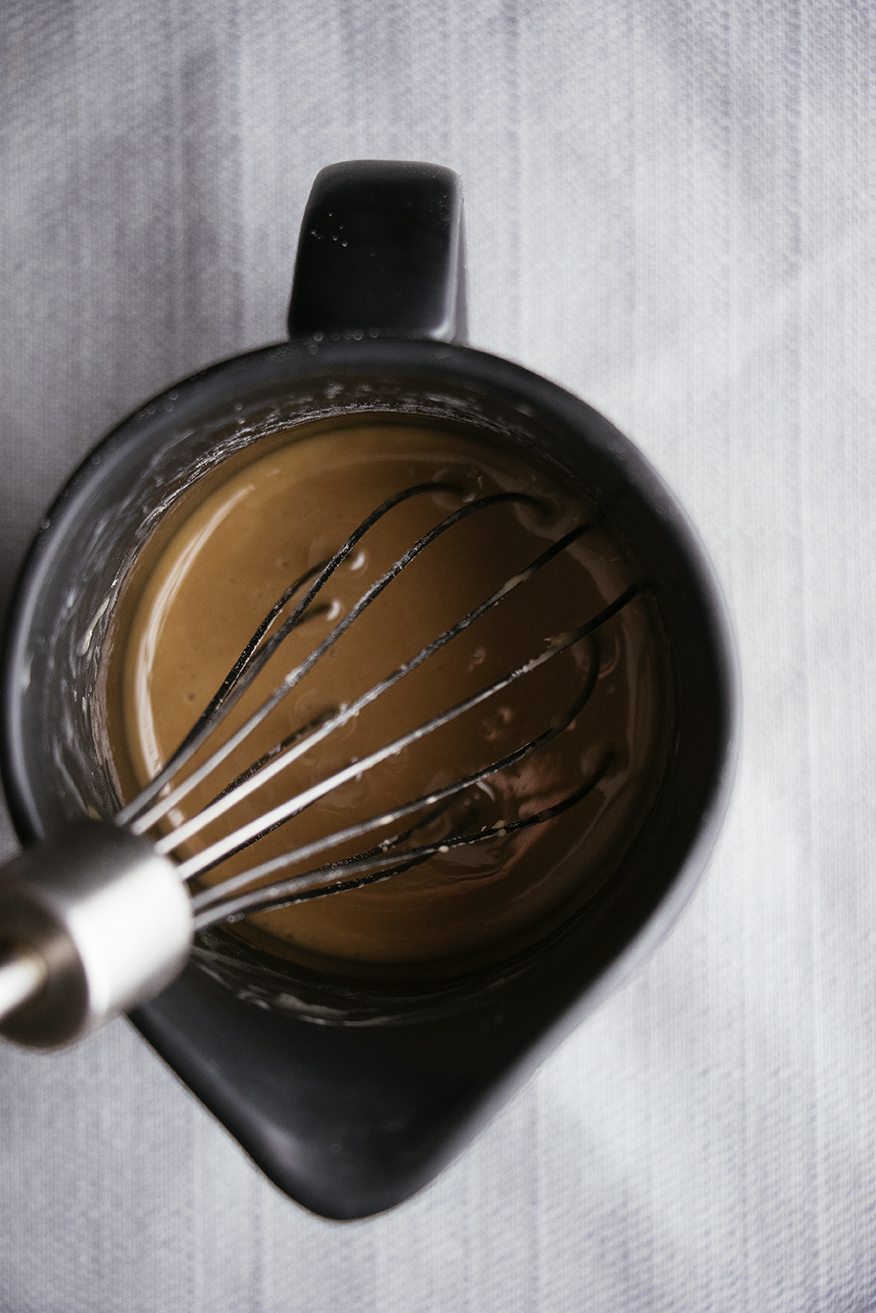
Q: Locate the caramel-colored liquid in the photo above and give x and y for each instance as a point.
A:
(238, 550)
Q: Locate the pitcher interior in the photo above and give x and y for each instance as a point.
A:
(145, 500)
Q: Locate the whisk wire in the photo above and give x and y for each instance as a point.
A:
(230, 798)
(325, 880)
(295, 805)
(210, 896)
(245, 892)
(294, 676)
(439, 795)
(248, 665)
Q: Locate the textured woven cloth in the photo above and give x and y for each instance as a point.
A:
(670, 211)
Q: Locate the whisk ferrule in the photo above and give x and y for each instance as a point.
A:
(94, 921)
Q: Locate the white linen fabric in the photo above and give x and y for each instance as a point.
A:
(670, 211)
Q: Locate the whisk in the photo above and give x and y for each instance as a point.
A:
(100, 917)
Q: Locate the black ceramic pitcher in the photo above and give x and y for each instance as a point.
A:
(352, 1096)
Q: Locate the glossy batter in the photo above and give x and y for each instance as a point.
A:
(236, 552)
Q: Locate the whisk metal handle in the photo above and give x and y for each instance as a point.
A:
(92, 922)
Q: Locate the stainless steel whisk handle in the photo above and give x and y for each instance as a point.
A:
(92, 922)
